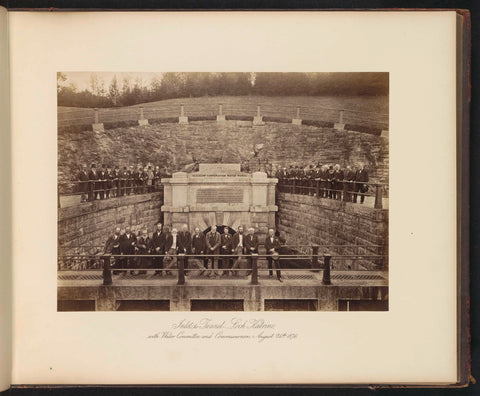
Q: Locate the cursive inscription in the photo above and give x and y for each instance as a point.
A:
(258, 330)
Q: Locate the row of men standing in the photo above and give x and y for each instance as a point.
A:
(334, 182)
(207, 250)
(107, 182)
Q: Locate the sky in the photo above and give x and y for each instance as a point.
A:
(82, 79)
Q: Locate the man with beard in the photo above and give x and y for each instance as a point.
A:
(349, 184)
(185, 242)
(112, 246)
(199, 246)
(158, 247)
(213, 248)
(143, 248)
(116, 175)
(109, 182)
(272, 245)
(226, 247)
(103, 181)
(83, 185)
(338, 177)
(93, 185)
(127, 247)
(130, 180)
(238, 249)
(361, 178)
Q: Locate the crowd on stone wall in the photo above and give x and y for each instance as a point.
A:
(334, 182)
(214, 253)
(108, 182)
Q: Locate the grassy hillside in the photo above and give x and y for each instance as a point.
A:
(365, 110)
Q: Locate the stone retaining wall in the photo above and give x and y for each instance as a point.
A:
(90, 224)
(306, 220)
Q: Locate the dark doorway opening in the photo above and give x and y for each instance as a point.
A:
(291, 305)
(362, 305)
(143, 305)
(75, 305)
(217, 305)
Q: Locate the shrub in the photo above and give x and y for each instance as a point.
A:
(278, 119)
(163, 120)
(364, 129)
(74, 129)
(318, 123)
(238, 118)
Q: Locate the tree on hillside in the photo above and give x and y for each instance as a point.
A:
(93, 83)
(114, 90)
(172, 85)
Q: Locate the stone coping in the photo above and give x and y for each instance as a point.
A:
(110, 203)
(226, 207)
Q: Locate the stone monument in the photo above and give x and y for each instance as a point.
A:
(220, 194)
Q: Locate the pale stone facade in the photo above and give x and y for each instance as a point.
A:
(219, 194)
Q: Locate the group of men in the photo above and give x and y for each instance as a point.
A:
(108, 181)
(333, 181)
(219, 253)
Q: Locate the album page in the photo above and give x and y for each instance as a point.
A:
(234, 197)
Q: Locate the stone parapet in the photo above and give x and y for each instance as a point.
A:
(308, 220)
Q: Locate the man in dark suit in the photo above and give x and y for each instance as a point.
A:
(83, 185)
(171, 249)
(214, 240)
(349, 184)
(102, 174)
(251, 242)
(226, 248)
(185, 242)
(93, 185)
(109, 182)
(130, 180)
(112, 246)
(338, 176)
(238, 249)
(238, 241)
(143, 248)
(199, 244)
(272, 245)
(361, 178)
(158, 247)
(116, 181)
(127, 247)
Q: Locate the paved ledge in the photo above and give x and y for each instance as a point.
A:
(291, 278)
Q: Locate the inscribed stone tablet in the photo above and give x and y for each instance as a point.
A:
(219, 195)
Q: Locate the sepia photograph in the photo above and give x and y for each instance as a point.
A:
(223, 191)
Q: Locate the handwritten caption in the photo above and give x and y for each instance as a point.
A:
(232, 329)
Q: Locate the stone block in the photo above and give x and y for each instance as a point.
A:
(143, 122)
(98, 127)
(296, 121)
(258, 120)
(221, 118)
(183, 120)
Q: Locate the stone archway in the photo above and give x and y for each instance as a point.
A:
(220, 228)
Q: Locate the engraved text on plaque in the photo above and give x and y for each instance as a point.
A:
(219, 195)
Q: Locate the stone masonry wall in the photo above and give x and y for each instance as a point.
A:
(90, 224)
(176, 145)
(308, 220)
